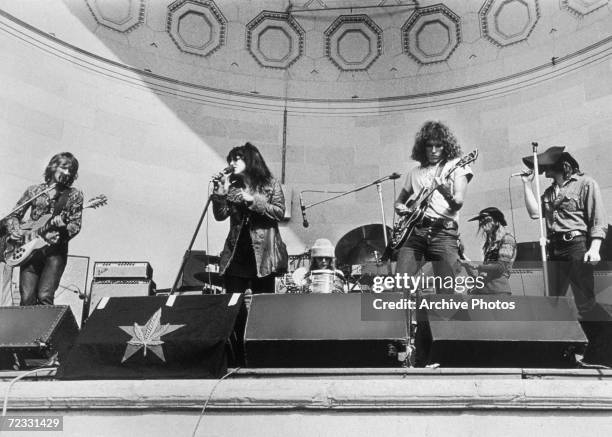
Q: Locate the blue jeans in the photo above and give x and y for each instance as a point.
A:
(435, 244)
(40, 276)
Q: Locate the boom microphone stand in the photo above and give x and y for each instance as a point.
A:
(378, 183)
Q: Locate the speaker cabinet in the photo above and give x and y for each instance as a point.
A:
(527, 281)
(123, 288)
(319, 330)
(36, 332)
(538, 332)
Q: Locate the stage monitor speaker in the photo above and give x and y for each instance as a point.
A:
(319, 330)
(153, 337)
(36, 332)
(123, 288)
(538, 332)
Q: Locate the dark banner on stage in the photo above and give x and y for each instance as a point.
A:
(156, 337)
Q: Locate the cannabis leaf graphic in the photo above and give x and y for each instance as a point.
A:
(148, 336)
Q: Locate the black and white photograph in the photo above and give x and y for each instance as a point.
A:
(306, 217)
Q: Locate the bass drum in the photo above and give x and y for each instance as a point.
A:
(326, 281)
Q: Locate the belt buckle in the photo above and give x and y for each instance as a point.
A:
(571, 236)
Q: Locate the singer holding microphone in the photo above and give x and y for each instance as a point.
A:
(576, 224)
(247, 193)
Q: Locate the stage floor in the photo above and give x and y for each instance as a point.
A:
(327, 402)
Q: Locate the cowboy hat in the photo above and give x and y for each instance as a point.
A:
(492, 212)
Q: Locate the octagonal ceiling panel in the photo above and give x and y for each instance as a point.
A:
(275, 39)
(581, 8)
(431, 34)
(506, 22)
(119, 15)
(196, 26)
(353, 42)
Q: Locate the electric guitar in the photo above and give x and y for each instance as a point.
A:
(417, 205)
(16, 253)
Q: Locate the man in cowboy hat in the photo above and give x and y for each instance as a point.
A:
(576, 224)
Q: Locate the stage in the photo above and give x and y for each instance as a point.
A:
(328, 402)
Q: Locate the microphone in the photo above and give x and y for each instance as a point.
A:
(522, 173)
(303, 208)
(226, 171)
(394, 176)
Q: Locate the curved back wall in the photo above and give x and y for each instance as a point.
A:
(151, 122)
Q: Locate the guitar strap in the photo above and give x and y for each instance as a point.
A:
(440, 168)
(438, 174)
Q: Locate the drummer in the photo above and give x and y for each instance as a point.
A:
(323, 277)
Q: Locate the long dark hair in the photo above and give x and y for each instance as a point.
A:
(256, 169)
(56, 160)
(435, 130)
(493, 237)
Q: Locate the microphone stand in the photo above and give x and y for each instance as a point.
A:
(188, 251)
(540, 219)
(378, 183)
(344, 193)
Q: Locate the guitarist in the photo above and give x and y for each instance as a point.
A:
(40, 275)
(435, 237)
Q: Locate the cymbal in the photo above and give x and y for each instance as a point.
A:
(205, 259)
(361, 245)
(214, 278)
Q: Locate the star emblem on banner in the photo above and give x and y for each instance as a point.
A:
(148, 336)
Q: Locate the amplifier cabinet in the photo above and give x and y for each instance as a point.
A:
(125, 288)
(122, 270)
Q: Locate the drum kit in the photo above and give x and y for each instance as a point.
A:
(358, 260)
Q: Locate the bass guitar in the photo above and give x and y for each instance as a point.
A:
(16, 253)
(405, 224)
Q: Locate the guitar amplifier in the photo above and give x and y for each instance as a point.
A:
(527, 281)
(122, 270)
(125, 288)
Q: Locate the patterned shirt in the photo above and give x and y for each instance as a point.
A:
(499, 256)
(575, 205)
(71, 212)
